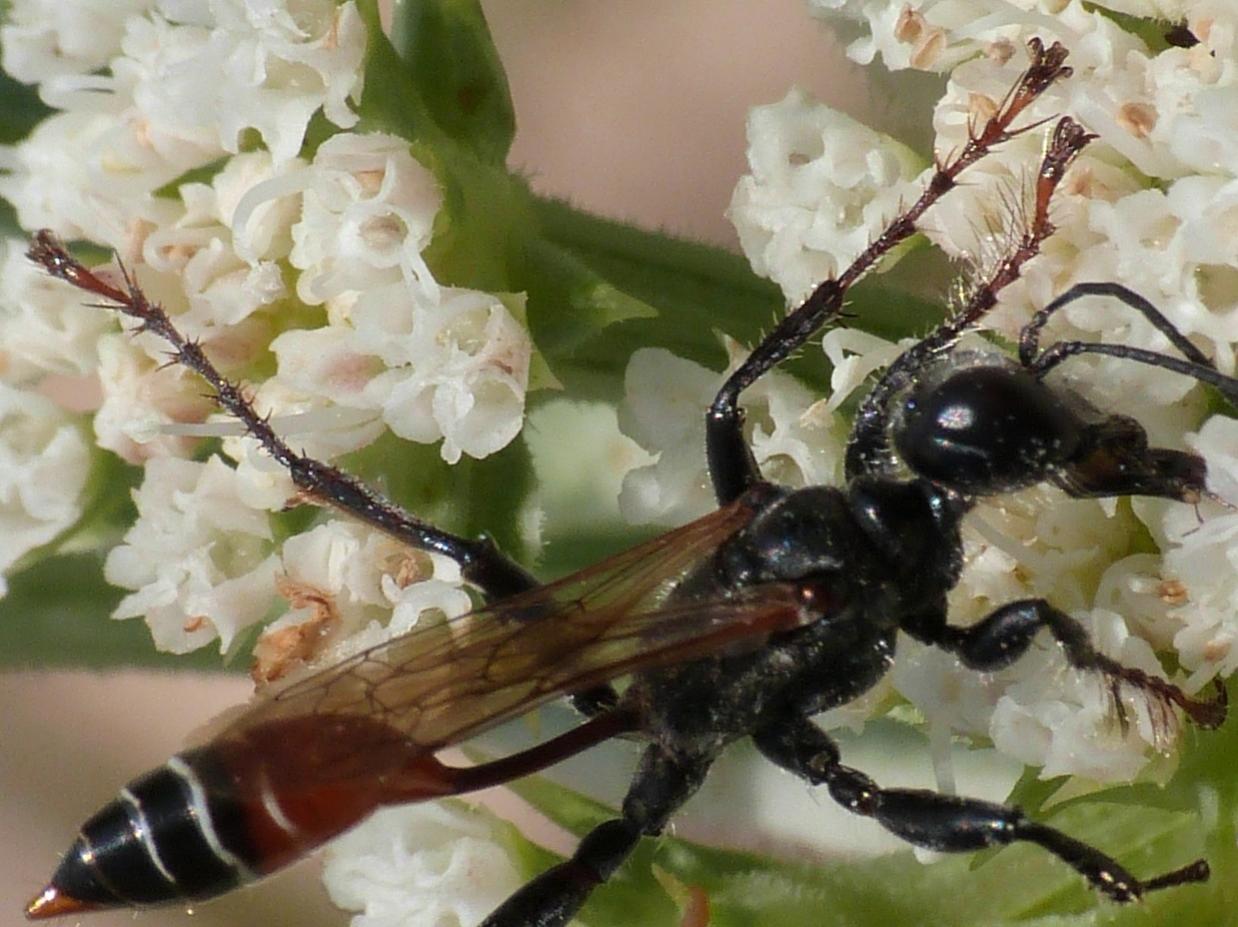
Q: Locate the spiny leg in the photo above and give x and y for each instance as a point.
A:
(1006, 633)
(868, 451)
(480, 561)
(662, 784)
(732, 467)
(948, 823)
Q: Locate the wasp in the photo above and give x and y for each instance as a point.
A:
(743, 624)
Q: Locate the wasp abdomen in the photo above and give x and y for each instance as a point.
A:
(237, 809)
(161, 839)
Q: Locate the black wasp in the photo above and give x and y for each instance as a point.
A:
(782, 603)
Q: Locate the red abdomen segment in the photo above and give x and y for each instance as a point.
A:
(237, 809)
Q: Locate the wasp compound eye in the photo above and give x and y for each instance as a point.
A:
(985, 429)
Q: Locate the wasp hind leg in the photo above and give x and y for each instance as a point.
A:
(482, 564)
(948, 823)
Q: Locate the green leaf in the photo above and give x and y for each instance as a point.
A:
(1150, 30)
(390, 100)
(452, 60)
(592, 283)
(20, 111)
(58, 613)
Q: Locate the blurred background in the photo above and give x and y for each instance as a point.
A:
(634, 110)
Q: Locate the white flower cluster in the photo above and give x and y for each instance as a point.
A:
(44, 464)
(314, 265)
(1152, 204)
(47, 343)
(795, 439)
(351, 588)
(45, 460)
(820, 183)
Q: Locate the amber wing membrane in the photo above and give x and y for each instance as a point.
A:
(441, 684)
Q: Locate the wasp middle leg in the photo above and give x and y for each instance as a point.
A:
(1006, 633)
(662, 784)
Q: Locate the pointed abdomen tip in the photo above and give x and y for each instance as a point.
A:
(51, 902)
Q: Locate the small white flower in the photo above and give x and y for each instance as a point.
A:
(43, 40)
(855, 356)
(459, 371)
(427, 865)
(821, 185)
(663, 410)
(351, 587)
(579, 480)
(140, 397)
(44, 463)
(224, 287)
(179, 95)
(456, 369)
(943, 689)
(85, 175)
(368, 212)
(204, 81)
(1202, 564)
(1064, 721)
(198, 558)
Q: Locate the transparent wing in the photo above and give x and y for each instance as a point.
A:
(441, 684)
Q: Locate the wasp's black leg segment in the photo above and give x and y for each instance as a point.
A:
(1029, 337)
(1002, 637)
(662, 784)
(948, 823)
(553, 898)
(732, 468)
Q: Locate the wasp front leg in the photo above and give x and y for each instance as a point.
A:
(1005, 635)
